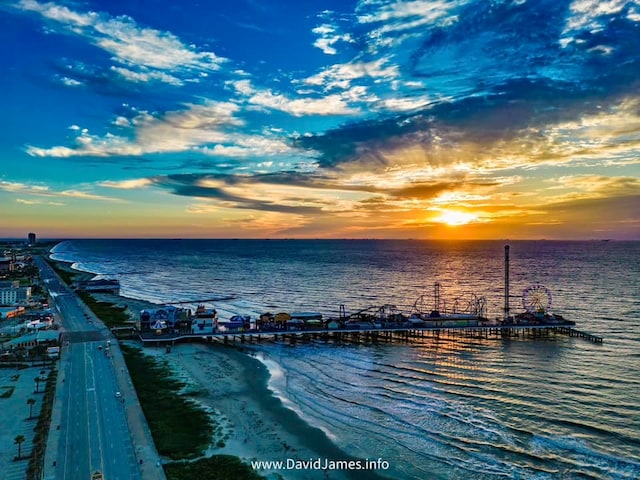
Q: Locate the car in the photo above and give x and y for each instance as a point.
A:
(118, 394)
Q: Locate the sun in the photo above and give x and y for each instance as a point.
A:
(455, 218)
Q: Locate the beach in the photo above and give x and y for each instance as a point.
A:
(232, 386)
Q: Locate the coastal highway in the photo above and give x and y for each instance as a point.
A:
(94, 434)
(91, 424)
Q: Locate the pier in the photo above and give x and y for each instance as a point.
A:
(370, 335)
(572, 332)
(370, 325)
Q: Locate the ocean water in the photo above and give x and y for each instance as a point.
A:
(469, 408)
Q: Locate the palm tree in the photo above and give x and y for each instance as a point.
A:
(19, 440)
(38, 380)
(31, 402)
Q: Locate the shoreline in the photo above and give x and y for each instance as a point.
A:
(257, 425)
(232, 385)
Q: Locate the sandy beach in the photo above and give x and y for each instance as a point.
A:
(228, 385)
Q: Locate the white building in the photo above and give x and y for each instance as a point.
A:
(12, 295)
(8, 296)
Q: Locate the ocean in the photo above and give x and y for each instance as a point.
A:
(557, 407)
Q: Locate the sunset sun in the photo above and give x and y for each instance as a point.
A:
(455, 218)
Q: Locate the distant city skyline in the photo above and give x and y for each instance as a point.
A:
(444, 119)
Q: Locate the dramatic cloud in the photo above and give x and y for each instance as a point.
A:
(387, 117)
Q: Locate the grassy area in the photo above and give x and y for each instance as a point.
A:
(66, 276)
(180, 428)
(217, 467)
(110, 314)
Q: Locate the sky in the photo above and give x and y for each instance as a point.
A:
(426, 119)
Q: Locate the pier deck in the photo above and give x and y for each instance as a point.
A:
(480, 331)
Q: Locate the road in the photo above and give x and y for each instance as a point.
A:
(90, 417)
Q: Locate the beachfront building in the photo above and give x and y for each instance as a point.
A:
(205, 320)
(14, 296)
(166, 319)
(32, 239)
(11, 293)
(101, 285)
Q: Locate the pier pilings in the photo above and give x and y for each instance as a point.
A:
(376, 335)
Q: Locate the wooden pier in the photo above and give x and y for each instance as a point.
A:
(572, 332)
(372, 335)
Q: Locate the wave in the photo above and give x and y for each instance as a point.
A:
(277, 385)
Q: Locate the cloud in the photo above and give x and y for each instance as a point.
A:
(209, 128)
(342, 74)
(146, 76)
(132, 184)
(195, 126)
(340, 104)
(151, 53)
(45, 191)
(232, 192)
(490, 135)
(298, 107)
(590, 16)
(38, 202)
(598, 216)
(23, 187)
(594, 186)
(395, 21)
(252, 146)
(404, 104)
(268, 224)
(329, 34)
(70, 82)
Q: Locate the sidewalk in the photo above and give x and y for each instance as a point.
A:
(145, 449)
(53, 438)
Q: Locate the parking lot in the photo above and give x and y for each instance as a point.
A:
(17, 386)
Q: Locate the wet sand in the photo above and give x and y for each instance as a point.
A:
(232, 386)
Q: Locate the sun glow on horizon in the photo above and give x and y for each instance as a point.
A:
(455, 218)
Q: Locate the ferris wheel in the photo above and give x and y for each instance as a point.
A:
(536, 299)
